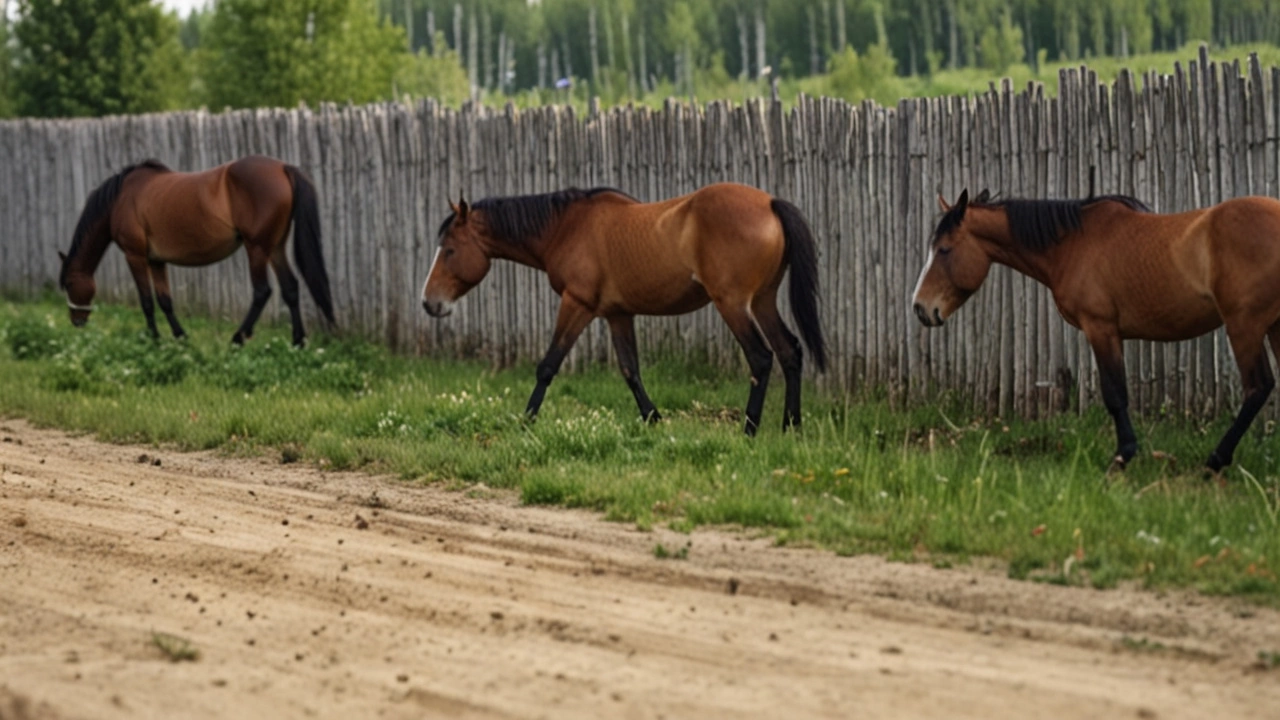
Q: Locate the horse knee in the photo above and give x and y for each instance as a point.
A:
(262, 294)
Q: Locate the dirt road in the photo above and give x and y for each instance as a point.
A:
(310, 594)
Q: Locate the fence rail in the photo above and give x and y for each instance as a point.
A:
(866, 176)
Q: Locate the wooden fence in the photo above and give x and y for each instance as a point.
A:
(866, 176)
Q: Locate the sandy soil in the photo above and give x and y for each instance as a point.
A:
(310, 594)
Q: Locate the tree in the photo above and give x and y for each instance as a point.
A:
(857, 77)
(258, 53)
(682, 38)
(1197, 17)
(97, 57)
(6, 63)
(436, 74)
(1001, 45)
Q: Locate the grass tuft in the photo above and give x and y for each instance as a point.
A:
(176, 649)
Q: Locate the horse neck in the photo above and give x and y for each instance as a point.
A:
(530, 251)
(991, 225)
(93, 248)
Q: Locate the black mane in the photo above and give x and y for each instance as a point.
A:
(1037, 224)
(516, 219)
(97, 207)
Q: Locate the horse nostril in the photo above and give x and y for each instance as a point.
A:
(920, 313)
(937, 316)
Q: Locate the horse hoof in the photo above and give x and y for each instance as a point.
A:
(1215, 464)
(237, 340)
(1214, 475)
(1117, 465)
(653, 418)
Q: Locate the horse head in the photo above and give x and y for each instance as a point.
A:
(461, 261)
(958, 264)
(79, 288)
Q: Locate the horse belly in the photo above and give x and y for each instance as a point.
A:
(1175, 319)
(659, 298)
(192, 249)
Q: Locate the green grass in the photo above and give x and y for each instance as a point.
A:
(862, 478)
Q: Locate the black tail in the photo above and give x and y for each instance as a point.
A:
(306, 240)
(802, 256)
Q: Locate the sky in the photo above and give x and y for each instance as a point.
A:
(183, 6)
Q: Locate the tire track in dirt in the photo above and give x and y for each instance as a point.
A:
(340, 594)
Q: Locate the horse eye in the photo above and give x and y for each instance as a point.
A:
(448, 252)
(944, 250)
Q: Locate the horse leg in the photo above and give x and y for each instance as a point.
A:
(1108, 350)
(572, 319)
(261, 293)
(289, 291)
(623, 330)
(160, 278)
(142, 278)
(1257, 382)
(759, 358)
(790, 356)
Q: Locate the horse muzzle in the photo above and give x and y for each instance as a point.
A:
(437, 309)
(934, 320)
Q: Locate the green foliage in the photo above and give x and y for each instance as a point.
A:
(862, 477)
(7, 105)
(438, 74)
(107, 363)
(1197, 18)
(274, 364)
(279, 52)
(869, 76)
(1001, 45)
(31, 337)
(97, 57)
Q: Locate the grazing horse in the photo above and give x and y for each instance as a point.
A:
(608, 255)
(1118, 271)
(158, 216)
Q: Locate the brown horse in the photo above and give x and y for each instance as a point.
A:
(158, 216)
(608, 255)
(1118, 271)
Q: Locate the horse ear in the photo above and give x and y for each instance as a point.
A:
(983, 196)
(62, 256)
(963, 202)
(463, 208)
(942, 203)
